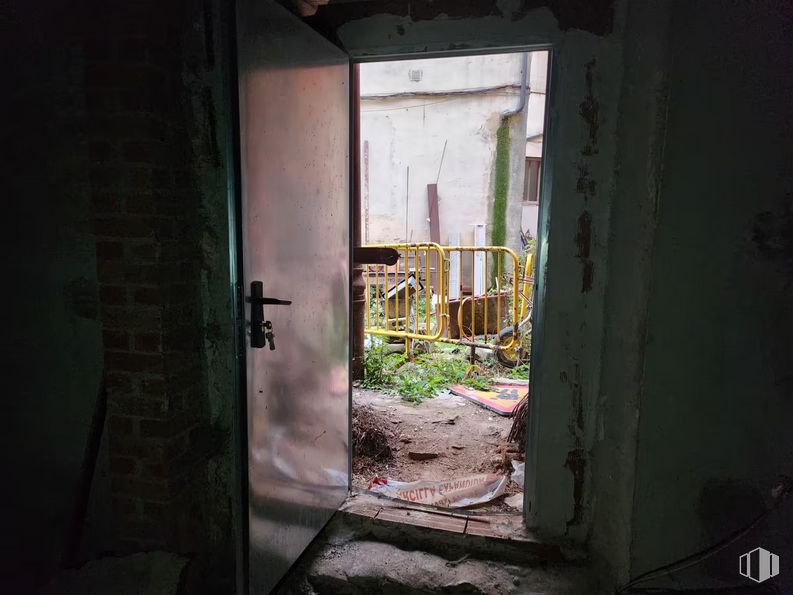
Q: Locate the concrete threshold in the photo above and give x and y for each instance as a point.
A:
(466, 532)
(384, 546)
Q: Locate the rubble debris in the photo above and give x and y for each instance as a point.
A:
(517, 432)
(371, 440)
(515, 501)
(418, 455)
(449, 421)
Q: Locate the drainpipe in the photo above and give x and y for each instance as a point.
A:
(524, 71)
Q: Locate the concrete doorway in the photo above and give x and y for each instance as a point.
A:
(449, 152)
(297, 474)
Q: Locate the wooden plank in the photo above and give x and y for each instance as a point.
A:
(432, 206)
(368, 255)
(435, 224)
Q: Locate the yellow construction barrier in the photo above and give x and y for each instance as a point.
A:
(468, 295)
(393, 294)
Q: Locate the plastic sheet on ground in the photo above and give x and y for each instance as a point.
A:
(459, 492)
(515, 501)
(518, 472)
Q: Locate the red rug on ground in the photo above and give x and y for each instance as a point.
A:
(501, 398)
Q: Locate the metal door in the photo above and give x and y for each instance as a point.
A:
(294, 146)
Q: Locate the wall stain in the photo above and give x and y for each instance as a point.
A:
(772, 236)
(585, 184)
(589, 110)
(593, 16)
(583, 237)
(576, 458)
(587, 276)
(772, 245)
(576, 463)
(596, 16)
(583, 241)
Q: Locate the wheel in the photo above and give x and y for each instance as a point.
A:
(514, 355)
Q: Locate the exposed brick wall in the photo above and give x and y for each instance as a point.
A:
(148, 247)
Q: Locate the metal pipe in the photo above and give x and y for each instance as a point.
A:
(407, 288)
(524, 72)
(396, 295)
(417, 267)
(473, 294)
(367, 297)
(486, 303)
(427, 292)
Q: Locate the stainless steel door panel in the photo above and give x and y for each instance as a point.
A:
(294, 120)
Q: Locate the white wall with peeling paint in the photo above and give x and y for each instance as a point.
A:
(435, 120)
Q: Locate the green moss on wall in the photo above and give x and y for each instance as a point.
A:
(498, 224)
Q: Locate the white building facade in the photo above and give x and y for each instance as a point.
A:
(435, 121)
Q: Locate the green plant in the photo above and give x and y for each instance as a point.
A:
(424, 308)
(423, 378)
(412, 387)
(380, 367)
(428, 376)
(498, 235)
(479, 382)
(444, 370)
(521, 371)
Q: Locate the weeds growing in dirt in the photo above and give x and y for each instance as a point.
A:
(520, 371)
(423, 378)
(380, 367)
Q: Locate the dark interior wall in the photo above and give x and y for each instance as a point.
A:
(52, 341)
(116, 244)
(716, 407)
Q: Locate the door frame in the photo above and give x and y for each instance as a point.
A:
(239, 438)
(231, 142)
(543, 228)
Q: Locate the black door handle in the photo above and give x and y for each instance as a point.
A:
(261, 329)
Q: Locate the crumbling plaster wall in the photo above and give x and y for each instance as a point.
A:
(636, 186)
(206, 79)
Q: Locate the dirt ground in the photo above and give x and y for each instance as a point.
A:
(465, 436)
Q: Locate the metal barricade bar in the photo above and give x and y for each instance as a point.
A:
(393, 293)
(485, 291)
(401, 290)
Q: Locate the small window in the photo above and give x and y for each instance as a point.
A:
(531, 181)
(415, 75)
